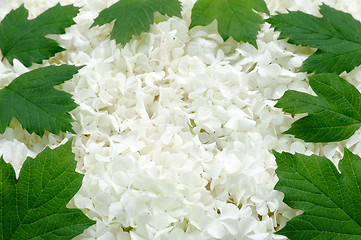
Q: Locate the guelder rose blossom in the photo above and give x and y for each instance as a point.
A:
(174, 130)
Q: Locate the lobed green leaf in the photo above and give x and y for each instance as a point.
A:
(34, 206)
(333, 115)
(331, 201)
(133, 17)
(35, 103)
(336, 35)
(235, 18)
(25, 40)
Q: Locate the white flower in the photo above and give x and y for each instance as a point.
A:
(15, 153)
(174, 130)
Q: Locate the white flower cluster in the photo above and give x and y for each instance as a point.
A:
(174, 130)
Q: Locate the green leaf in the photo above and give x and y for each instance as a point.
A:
(235, 18)
(34, 206)
(331, 201)
(35, 103)
(333, 115)
(25, 40)
(135, 16)
(337, 35)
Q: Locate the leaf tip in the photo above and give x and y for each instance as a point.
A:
(93, 24)
(275, 153)
(80, 67)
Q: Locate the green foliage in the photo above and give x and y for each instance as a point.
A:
(34, 206)
(331, 201)
(235, 18)
(135, 16)
(25, 40)
(333, 115)
(337, 35)
(35, 103)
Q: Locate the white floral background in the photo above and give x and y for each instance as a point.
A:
(174, 131)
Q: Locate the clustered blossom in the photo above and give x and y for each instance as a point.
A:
(174, 130)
